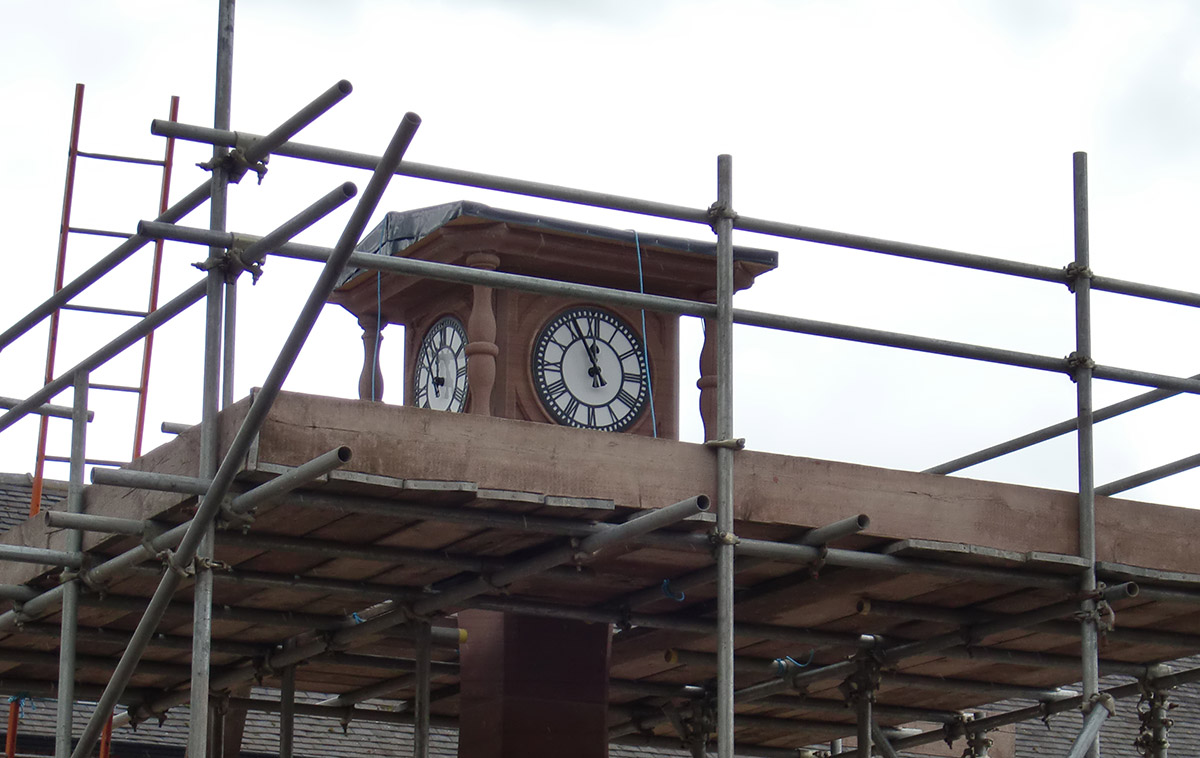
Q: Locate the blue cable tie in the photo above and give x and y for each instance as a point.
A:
(666, 588)
(357, 619)
(798, 664)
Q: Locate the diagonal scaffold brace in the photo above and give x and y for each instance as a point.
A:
(181, 561)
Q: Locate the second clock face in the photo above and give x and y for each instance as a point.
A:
(589, 368)
(440, 378)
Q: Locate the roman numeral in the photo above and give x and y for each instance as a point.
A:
(556, 389)
(628, 377)
(572, 406)
(575, 330)
(626, 398)
(460, 394)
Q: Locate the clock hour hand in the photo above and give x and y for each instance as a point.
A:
(438, 379)
(594, 370)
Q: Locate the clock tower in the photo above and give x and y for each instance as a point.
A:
(537, 687)
(546, 358)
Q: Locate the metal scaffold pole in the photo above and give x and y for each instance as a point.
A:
(723, 216)
(1080, 274)
(70, 602)
(198, 724)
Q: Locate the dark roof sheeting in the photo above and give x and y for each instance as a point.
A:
(400, 229)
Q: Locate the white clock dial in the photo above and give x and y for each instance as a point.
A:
(440, 378)
(589, 368)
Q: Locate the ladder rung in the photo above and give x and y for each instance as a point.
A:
(120, 158)
(90, 461)
(116, 388)
(109, 311)
(98, 232)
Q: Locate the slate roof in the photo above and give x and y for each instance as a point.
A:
(1120, 730)
(16, 490)
(313, 737)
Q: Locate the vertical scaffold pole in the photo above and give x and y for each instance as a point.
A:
(70, 600)
(198, 725)
(723, 223)
(222, 117)
(1080, 276)
(423, 675)
(287, 710)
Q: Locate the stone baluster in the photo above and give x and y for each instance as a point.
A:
(481, 349)
(370, 382)
(707, 383)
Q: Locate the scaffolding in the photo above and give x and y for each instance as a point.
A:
(1079, 598)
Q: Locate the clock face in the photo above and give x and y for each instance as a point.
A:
(589, 368)
(440, 379)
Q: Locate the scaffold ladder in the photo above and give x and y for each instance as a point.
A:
(64, 233)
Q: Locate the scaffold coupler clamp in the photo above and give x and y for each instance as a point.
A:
(818, 563)
(232, 262)
(209, 564)
(1074, 272)
(263, 669)
(185, 571)
(235, 161)
(954, 730)
(864, 681)
(1102, 699)
(1077, 361)
(978, 743)
(1152, 710)
(1101, 615)
(237, 262)
(718, 539)
(717, 213)
(735, 443)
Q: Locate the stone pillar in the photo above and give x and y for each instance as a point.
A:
(532, 687)
(481, 349)
(370, 381)
(707, 383)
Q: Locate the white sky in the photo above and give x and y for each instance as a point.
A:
(948, 124)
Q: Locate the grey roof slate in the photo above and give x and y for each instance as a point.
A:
(16, 491)
(1121, 729)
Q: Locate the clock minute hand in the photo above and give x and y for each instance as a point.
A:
(438, 379)
(594, 371)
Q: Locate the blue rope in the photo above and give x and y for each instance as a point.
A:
(676, 596)
(21, 699)
(645, 351)
(357, 619)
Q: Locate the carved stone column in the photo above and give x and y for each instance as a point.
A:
(481, 346)
(707, 383)
(370, 382)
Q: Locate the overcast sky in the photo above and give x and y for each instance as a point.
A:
(948, 124)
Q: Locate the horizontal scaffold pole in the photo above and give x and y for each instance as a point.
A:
(1058, 275)
(812, 327)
